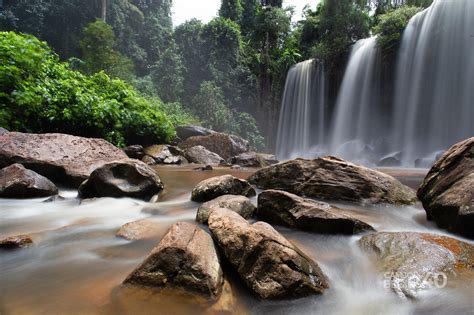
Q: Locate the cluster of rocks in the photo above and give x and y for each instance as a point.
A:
(202, 146)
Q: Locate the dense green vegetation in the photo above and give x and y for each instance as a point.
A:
(228, 73)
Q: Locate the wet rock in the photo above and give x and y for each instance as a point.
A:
(3, 131)
(148, 160)
(200, 155)
(185, 132)
(16, 242)
(166, 154)
(283, 208)
(204, 168)
(55, 198)
(391, 160)
(253, 159)
(214, 187)
(447, 193)
(134, 151)
(126, 178)
(412, 262)
(143, 229)
(224, 145)
(186, 259)
(269, 265)
(18, 182)
(60, 157)
(239, 204)
(331, 178)
(235, 167)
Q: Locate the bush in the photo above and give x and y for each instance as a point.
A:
(40, 94)
(390, 28)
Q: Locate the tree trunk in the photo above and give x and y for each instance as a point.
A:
(104, 11)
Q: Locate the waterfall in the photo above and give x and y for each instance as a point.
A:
(358, 121)
(434, 105)
(302, 117)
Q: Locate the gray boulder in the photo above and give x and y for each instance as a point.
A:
(239, 204)
(185, 132)
(126, 178)
(214, 187)
(200, 155)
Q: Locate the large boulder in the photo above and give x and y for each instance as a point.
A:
(3, 131)
(125, 178)
(331, 178)
(268, 264)
(239, 204)
(214, 187)
(200, 155)
(165, 154)
(280, 207)
(412, 262)
(447, 193)
(253, 159)
(185, 132)
(60, 157)
(224, 145)
(184, 259)
(18, 182)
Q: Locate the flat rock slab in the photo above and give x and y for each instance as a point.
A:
(240, 204)
(280, 207)
(144, 229)
(214, 187)
(18, 182)
(268, 264)
(412, 262)
(447, 193)
(331, 178)
(125, 178)
(253, 159)
(60, 157)
(185, 259)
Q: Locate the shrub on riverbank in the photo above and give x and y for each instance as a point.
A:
(38, 93)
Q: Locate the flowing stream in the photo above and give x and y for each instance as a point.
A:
(77, 262)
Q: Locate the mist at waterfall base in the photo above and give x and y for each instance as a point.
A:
(431, 109)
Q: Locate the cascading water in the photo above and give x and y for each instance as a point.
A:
(434, 106)
(303, 107)
(358, 120)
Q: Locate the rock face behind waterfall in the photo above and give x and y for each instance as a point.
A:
(126, 178)
(281, 207)
(184, 259)
(59, 157)
(447, 193)
(411, 262)
(268, 264)
(331, 178)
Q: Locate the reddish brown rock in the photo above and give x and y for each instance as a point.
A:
(331, 178)
(239, 204)
(143, 229)
(60, 157)
(184, 259)
(280, 207)
(268, 264)
(18, 182)
(447, 193)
